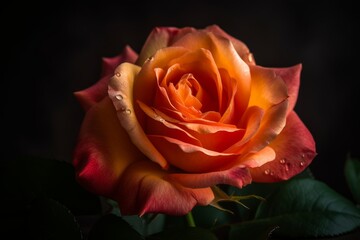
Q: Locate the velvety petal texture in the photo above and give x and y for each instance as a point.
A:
(193, 110)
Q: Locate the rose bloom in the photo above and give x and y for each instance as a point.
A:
(191, 111)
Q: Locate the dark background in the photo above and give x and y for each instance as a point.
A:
(52, 50)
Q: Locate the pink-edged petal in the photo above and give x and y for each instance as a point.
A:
(103, 150)
(110, 63)
(121, 93)
(291, 77)
(92, 95)
(160, 37)
(295, 150)
(98, 91)
(153, 192)
(237, 176)
(188, 157)
(240, 47)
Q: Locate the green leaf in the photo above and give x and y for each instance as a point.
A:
(352, 175)
(188, 233)
(113, 227)
(259, 189)
(307, 208)
(49, 219)
(33, 177)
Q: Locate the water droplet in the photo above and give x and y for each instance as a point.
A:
(302, 163)
(282, 161)
(272, 173)
(117, 74)
(303, 156)
(250, 57)
(286, 168)
(149, 59)
(119, 97)
(127, 111)
(267, 171)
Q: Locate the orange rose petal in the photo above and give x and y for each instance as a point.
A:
(160, 37)
(291, 77)
(98, 91)
(188, 157)
(295, 149)
(146, 84)
(267, 88)
(250, 121)
(161, 126)
(240, 47)
(153, 192)
(236, 176)
(271, 125)
(121, 93)
(103, 151)
(258, 158)
(226, 57)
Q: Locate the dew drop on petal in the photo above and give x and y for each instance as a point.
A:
(119, 97)
(303, 156)
(127, 111)
(272, 173)
(286, 168)
(117, 74)
(250, 57)
(267, 171)
(282, 161)
(302, 163)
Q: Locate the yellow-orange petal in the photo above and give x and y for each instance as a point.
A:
(267, 88)
(160, 37)
(121, 93)
(241, 47)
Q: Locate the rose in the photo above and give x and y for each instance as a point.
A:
(191, 111)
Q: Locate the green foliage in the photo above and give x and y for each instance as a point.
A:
(352, 175)
(42, 198)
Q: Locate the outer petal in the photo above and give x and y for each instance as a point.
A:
(103, 151)
(152, 192)
(237, 176)
(159, 38)
(291, 77)
(98, 91)
(121, 93)
(109, 64)
(295, 149)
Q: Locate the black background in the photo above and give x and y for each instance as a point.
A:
(52, 50)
